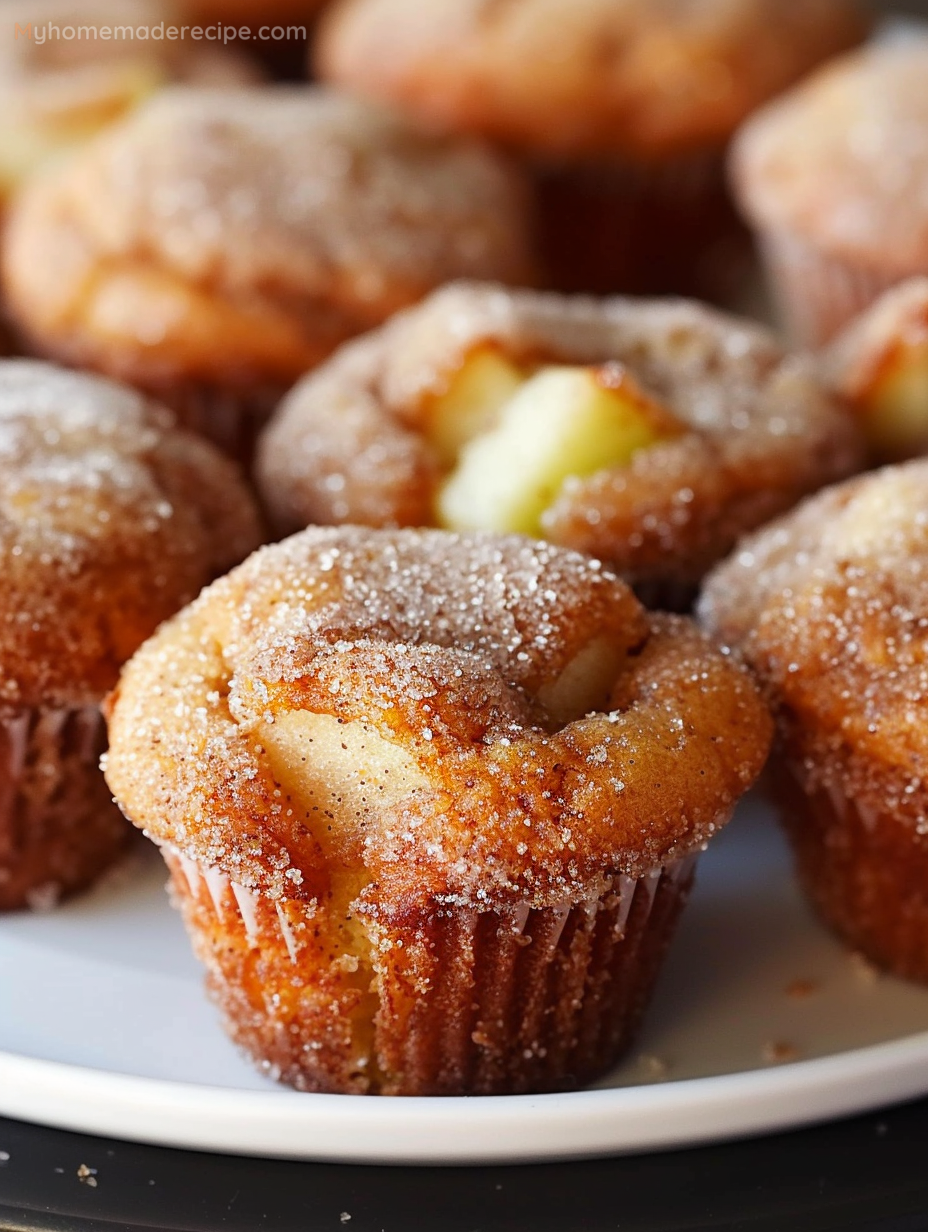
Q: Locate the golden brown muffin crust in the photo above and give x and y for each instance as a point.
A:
(843, 160)
(450, 649)
(830, 607)
(110, 520)
(235, 236)
(349, 444)
(645, 78)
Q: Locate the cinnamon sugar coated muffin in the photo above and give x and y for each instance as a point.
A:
(430, 803)
(649, 434)
(216, 245)
(834, 178)
(879, 365)
(62, 80)
(110, 521)
(621, 108)
(829, 607)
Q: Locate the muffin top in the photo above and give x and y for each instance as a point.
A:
(735, 431)
(829, 606)
(57, 89)
(481, 720)
(110, 520)
(842, 160)
(879, 365)
(648, 79)
(213, 231)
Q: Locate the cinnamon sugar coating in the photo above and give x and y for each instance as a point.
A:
(842, 161)
(646, 78)
(229, 240)
(829, 606)
(349, 443)
(430, 803)
(58, 91)
(445, 648)
(110, 520)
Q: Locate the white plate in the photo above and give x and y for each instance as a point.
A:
(760, 1022)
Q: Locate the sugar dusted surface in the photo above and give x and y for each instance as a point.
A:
(349, 443)
(294, 216)
(110, 520)
(830, 607)
(587, 80)
(843, 160)
(443, 644)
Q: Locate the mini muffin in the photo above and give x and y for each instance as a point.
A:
(430, 803)
(216, 245)
(879, 365)
(834, 178)
(649, 434)
(621, 110)
(830, 608)
(110, 521)
(61, 81)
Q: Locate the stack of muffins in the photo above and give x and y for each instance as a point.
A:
(431, 775)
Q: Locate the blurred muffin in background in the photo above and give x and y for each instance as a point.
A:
(834, 178)
(58, 90)
(650, 434)
(218, 244)
(879, 365)
(622, 109)
(110, 521)
(829, 607)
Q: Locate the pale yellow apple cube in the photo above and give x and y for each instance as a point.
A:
(563, 422)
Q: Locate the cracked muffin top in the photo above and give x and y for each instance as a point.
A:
(479, 719)
(110, 521)
(650, 434)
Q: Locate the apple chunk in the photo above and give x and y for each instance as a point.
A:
(483, 384)
(340, 773)
(562, 422)
(894, 412)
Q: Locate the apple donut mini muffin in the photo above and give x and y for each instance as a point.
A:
(64, 75)
(829, 606)
(833, 176)
(430, 803)
(621, 110)
(216, 245)
(879, 365)
(649, 434)
(110, 521)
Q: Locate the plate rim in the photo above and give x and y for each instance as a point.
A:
(461, 1130)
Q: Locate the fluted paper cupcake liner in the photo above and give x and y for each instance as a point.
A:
(659, 228)
(815, 294)
(864, 869)
(466, 1002)
(59, 828)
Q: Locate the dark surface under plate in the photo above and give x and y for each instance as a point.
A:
(868, 1173)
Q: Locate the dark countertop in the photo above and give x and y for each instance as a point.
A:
(868, 1173)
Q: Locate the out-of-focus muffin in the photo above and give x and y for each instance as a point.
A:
(879, 365)
(68, 68)
(829, 606)
(430, 803)
(651, 434)
(621, 109)
(834, 178)
(110, 520)
(217, 245)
